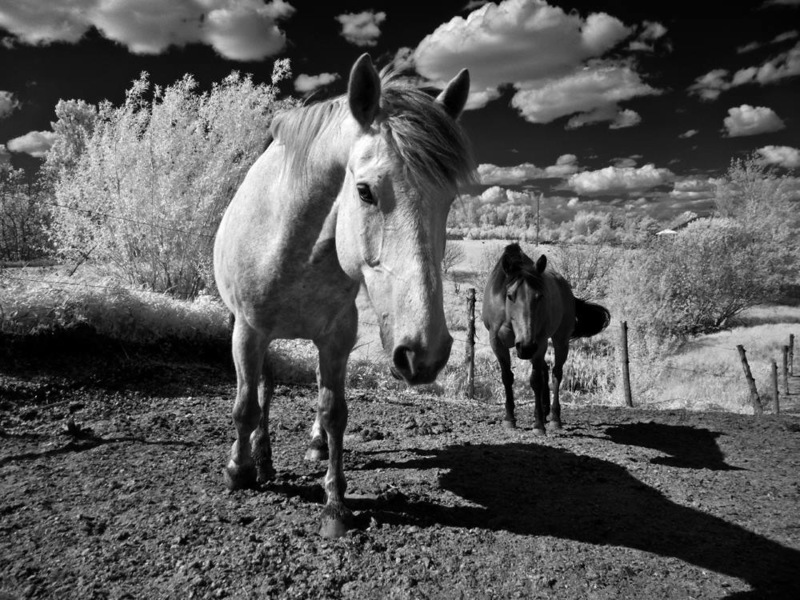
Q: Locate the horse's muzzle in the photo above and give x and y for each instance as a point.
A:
(413, 365)
(526, 351)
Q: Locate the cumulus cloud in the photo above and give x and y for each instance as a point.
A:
(308, 83)
(619, 179)
(712, 84)
(490, 174)
(689, 133)
(7, 104)
(751, 120)
(35, 143)
(516, 41)
(362, 29)
(237, 29)
(693, 189)
(782, 156)
(650, 32)
(594, 92)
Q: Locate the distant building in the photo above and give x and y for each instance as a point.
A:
(679, 223)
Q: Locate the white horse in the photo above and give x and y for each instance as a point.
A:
(352, 191)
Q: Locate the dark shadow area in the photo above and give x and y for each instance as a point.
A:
(688, 447)
(540, 491)
(87, 441)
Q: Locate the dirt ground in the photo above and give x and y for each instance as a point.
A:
(111, 487)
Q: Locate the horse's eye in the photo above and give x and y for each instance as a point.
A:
(512, 296)
(365, 193)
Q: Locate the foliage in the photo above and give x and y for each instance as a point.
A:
(695, 282)
(143, 186)
(453, 255)
(23, 216)
(588, 269)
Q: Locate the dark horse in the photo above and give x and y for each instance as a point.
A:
(524, 305)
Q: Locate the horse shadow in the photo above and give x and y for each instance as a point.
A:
(688, 447)
(542, 491)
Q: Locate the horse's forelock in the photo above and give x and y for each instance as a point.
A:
(433, 147)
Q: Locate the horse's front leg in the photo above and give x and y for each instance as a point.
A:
(507, 375)
(332, 418)
(541, 393)
(560, 352)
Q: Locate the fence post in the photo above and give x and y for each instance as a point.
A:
(785, 370)
(470, 357)
(791, 354)
(754, 399)
(626, 372)
(776, 407)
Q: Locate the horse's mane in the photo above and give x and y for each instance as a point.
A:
(433, 147)
(518, 266)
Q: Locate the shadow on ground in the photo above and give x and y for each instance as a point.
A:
(542, 491)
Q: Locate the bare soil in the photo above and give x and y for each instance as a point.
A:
(111, 487)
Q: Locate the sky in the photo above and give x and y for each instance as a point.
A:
(597, 104)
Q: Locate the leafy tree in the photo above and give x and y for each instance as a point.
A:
(143, 186)
(23, 216)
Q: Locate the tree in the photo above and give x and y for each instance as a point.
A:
(143, 186)
(23, 216)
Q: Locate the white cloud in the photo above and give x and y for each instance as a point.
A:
(307, 83)
(593, 92)
(748, 48)
(619, 179)
(712, 84)
(693, 189)
(782, 156)
(236, 29)
(689, 133)
(362, 29)
(649, 34)
(566, 165)
(516, 41)
(625, 118)
(751, 120)
(625, 162)
(490, 174)
(7, 104)
(35, 143)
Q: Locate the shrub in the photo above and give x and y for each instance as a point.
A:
(23, 217)
(695, 282)
(154, 176)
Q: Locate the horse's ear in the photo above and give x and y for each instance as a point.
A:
(541, 264)
(364, 91)
(454, 96)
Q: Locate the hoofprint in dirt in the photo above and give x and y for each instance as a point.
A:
(112, 488)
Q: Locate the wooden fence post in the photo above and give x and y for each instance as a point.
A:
(754, 399)
(626, 373)
(791, 354)
(786, 370)
(470, 357)
(776, 407)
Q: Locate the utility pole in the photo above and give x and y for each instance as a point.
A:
(538, 202)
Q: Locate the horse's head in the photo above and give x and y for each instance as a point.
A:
(403, 170)
(524, 298)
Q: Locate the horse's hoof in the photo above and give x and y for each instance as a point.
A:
(238, 477)
(509, 424)
(316, 454)
(537, 431)
(335, 522)
(555, 426)
(264, 473)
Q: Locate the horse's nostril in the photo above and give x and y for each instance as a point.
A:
(403, 359)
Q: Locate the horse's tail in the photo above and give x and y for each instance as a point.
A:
(590, 319)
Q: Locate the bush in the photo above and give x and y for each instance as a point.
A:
(154, 176)
(23, 217)
(695, 282)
